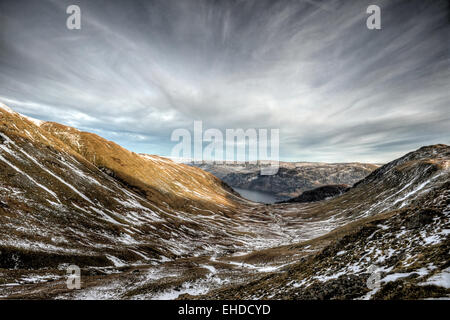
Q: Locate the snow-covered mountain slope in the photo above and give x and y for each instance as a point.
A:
(144, 227)
(391, 229)
(403, 254)
(71, 195)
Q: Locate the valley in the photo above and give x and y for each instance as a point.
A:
(292, 178)
(144, 227)
(257, 196)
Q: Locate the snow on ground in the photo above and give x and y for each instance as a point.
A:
(441, 279)
(58, 178)
(255, 267)
(38, 278)
(194, 290)
(6, 108)
(116, 261)
(30, 178)
(33, 120)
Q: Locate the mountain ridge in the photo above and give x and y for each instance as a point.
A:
(292, 178)
(64, 200)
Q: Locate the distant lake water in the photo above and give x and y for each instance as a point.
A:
(257, 196)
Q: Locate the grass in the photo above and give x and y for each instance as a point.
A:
(18, 258)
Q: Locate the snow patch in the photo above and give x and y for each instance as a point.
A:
(440, 279)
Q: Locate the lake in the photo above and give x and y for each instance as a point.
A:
(257, 196)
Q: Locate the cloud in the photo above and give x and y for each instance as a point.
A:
(137, 70)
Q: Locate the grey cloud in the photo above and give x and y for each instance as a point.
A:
(139, 69)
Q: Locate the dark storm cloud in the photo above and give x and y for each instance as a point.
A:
(139, 69)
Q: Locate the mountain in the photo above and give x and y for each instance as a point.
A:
(320, 193)
(144, 227)
(67, 194)
(391, 229)
(292, 178)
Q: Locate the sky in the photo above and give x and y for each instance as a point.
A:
(138, 70)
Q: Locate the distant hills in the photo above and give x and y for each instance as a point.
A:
(292, 178)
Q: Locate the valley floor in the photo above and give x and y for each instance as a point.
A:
(145, 227)
(409, 249)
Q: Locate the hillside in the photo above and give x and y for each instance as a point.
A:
(144, 227)
(67, 194)
(393, 225)
(320, 193)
